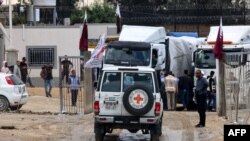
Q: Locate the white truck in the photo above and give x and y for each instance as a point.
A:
(136, 45)
(236, 40)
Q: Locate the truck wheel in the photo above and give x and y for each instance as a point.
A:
(138, 100)
(99, 137)
(154, 137)
(4, 103)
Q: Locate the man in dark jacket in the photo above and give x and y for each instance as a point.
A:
(24, 72)
(185, 86)
(201, 97)
(46, 75)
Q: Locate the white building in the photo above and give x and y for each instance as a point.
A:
(54, 41)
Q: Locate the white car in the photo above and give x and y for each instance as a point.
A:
(13, 93)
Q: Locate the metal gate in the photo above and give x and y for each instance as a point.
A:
(69, 101)
(237, 86)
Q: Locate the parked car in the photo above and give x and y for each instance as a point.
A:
(13, 93)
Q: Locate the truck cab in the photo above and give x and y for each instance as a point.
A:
(236, 39)
(136, 46)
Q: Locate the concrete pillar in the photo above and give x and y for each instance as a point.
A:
(88, 86)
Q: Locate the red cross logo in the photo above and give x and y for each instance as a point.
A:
(138, 99)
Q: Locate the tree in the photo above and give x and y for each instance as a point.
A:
(97, 13)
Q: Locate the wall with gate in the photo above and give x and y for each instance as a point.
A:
(65, 40)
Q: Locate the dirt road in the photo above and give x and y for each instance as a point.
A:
(39, 120)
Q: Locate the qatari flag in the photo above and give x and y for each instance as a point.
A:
(1, 1)
(218, 48)
(83, 45)
(118, 19)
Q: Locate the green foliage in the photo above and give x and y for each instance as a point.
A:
(19, 19)
(96, 13)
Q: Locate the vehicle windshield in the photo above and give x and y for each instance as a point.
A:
(133, 78)
(204, 59)
(112, 81)
(127, 56)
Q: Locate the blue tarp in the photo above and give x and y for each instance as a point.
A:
(180, 34)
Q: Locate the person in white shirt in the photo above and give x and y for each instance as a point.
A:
(171, 87)
(5, 68)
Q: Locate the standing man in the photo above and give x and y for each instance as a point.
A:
(66, 67)
(171, 87)
(46, 75)
(74, 82)
(211, 95)
(201, 97)
(16, 70)
(185, 86)
(24, 72)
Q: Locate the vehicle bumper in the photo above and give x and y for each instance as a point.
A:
(127, 120)
(18, 99)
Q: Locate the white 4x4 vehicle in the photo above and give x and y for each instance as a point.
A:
(128, 98)
(13, 92)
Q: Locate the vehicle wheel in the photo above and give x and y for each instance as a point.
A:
(154, 137)
(4, 103)
(138, 100)
(160, 126)
(13, 108)
(132, 130)
(99, 137)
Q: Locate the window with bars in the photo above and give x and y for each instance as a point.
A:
(39, 56)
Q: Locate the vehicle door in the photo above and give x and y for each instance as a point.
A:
(110, 94)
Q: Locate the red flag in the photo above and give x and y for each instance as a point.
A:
(218, 48)
(118, 19)
(83, 46)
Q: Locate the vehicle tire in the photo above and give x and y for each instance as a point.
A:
(136, 108)
(154, 137)
(99, 137)
(132, 130)
(13, 108)
(4, 103)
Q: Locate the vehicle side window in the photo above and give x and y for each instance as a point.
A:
(111, 82)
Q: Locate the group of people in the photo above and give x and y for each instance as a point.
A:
(68, 74)
(182, 87)
(20, 69)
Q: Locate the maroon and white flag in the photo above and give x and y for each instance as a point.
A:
(95, 60)
(118, 19)
(1, 1)
(218, 47)
(83, 45)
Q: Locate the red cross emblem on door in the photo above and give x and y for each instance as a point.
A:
(138, 99)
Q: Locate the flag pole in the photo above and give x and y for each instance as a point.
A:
(221, 96)
(10, 23)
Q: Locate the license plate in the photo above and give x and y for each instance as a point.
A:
(110, 105)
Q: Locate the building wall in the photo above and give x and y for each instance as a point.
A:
(66, 39)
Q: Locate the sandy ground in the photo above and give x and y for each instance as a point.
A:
(39, 120)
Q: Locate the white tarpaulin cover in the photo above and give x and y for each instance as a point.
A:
(180, 51)
(147, 34)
